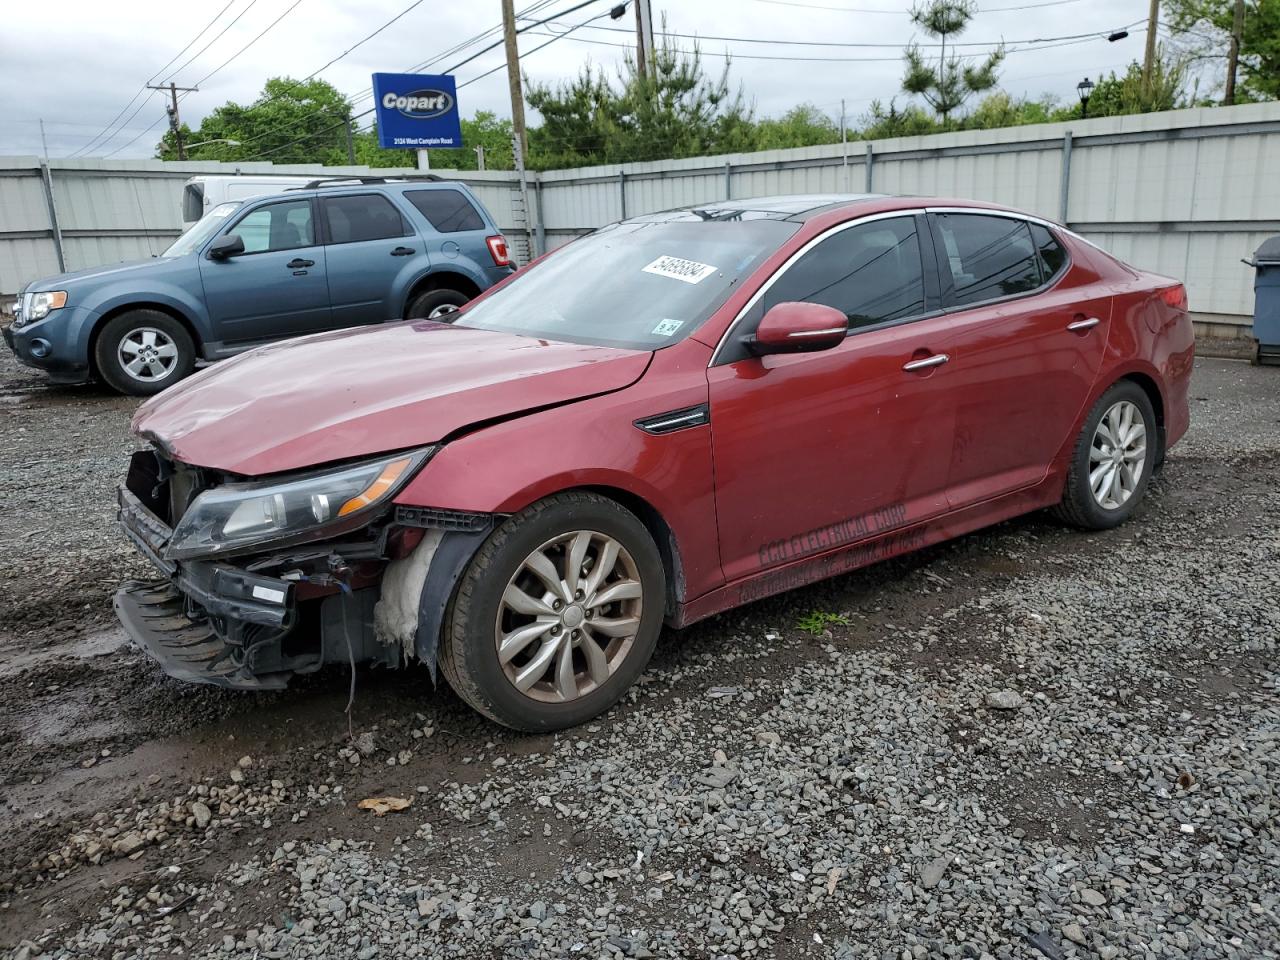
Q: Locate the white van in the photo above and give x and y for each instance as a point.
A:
(202, 194)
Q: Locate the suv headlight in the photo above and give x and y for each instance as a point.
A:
(42, 304)
(308, 507)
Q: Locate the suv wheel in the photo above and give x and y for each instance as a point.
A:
(435, 304)
(556, 615)
(143, 351)
(1113, 460)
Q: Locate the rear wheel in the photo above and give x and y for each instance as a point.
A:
(557, 614)
(1113, 460)
(435, 304)
(143, 351)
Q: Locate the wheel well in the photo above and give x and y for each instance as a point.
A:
(658, 528)
(1157, 404)
(117, 311)
(446, 280)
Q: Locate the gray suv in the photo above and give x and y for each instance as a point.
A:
(335, 253)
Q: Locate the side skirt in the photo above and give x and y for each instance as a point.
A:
(800, 573)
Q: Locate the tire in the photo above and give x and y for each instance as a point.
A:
(173, 353)
(480, 613)
(1080, 506)
(442, 300)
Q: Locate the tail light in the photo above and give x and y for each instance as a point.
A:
(498, 250)
(1175, 297)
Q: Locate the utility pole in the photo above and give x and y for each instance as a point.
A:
(351, 147)
(1233, 54)
(175, 124)
(513, 78)
(644, 36)
(479, 157)
(1149, 60)
(844, 145)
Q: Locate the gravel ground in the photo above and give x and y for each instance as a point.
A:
(1025, 743)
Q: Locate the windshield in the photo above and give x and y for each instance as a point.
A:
(195, 238)
(637, 285)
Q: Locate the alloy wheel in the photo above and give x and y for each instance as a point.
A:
(147, 354)
(1118, 455)
(569, 616)
(442, 311)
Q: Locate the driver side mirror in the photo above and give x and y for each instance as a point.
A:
(793, 327)
(226, 246)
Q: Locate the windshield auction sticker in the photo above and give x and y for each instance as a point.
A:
(690, 271)
(666, 328)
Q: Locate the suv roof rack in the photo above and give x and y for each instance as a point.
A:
(336, 181)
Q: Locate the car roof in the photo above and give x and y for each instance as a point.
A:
(783, 207)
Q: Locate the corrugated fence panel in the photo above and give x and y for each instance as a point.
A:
(1185, 193)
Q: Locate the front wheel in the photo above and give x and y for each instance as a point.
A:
(556, 615)
(435, 304)
(1113, 460)
(143, 351)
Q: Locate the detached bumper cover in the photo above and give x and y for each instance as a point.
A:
(153, 614)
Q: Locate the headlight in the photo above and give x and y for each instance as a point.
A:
(238, 515)
(43, 303)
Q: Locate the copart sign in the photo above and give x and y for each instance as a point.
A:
(416, 110)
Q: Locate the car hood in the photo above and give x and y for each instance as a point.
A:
(110, 270)
(355, 393)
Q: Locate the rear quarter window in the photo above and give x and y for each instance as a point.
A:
(1053, 255)
(449, 211)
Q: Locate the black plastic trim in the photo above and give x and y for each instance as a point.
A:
(673, 420)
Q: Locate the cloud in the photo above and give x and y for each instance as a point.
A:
(77, 67)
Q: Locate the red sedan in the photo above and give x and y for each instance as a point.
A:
(670, 417)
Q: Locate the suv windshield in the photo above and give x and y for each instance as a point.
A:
(638, 285)
(209, 224)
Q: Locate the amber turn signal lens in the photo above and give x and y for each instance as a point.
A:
(378, 489)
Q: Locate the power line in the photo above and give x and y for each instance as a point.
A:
(264, 32)
(811, 59)
(836, 43)
(456, 66)
(221, 32)
(143, 88)
(365, 94)
(900, 12)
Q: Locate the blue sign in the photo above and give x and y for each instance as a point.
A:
(416, 111)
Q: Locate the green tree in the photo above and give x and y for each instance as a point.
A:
(948, 83)
(1207, 25)
(883, 122)
(1132, 93)
(801, 126)
(290, 122)
(675, 109)
(486, 130)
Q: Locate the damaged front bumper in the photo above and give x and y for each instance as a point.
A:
(253, 622)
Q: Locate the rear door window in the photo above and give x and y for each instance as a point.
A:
(989, 257)
(449, 211)
(362, 216)
(1053, 255)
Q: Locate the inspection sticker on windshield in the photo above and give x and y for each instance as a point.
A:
(690, 271)
(666, 328)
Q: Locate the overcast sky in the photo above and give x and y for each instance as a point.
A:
(76, 63)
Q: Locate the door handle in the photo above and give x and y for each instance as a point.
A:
(402, 252)
(937, 360)
(297, 263)
(1079, 325)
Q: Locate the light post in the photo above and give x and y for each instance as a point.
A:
(1084, 88)
(205, 143)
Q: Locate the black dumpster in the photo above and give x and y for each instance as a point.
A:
(1266, 302)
